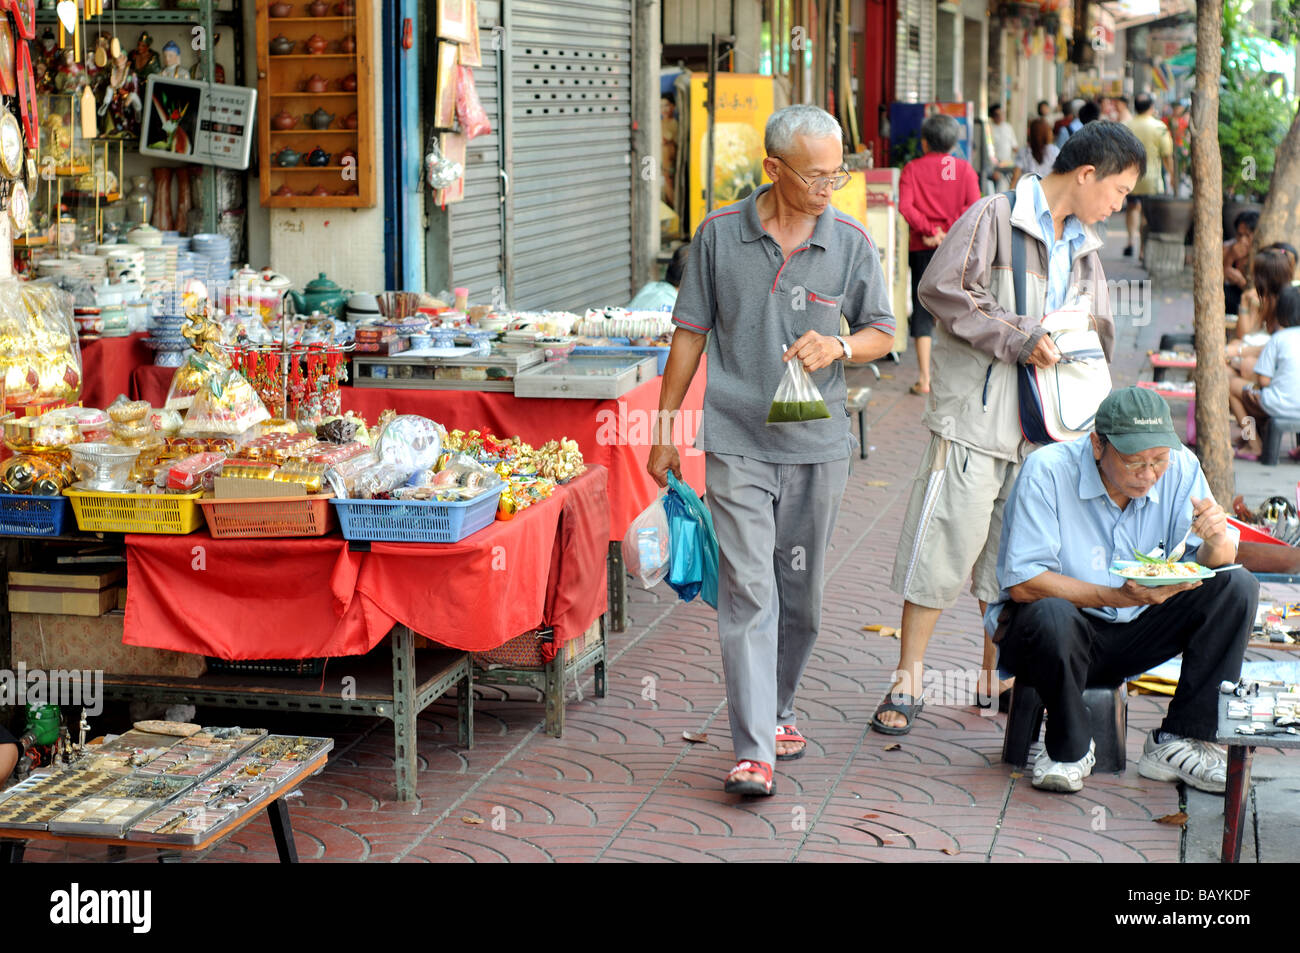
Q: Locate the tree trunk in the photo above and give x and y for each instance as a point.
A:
(1280, 220)
(1213, 439)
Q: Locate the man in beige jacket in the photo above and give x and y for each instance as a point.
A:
(954, 515)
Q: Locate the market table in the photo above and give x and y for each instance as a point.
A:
(542, 569)
(616, 434)
(1241, 749)
(13, 842)
(108, 366)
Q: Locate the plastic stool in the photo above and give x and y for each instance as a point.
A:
(1273, 439)
(855, 402)
(1107, 717)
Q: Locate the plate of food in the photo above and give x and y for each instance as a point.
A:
(1160, 572)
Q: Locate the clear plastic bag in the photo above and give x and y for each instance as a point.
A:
(646, 545)
(797, 397)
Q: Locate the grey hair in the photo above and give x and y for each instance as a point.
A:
(784, 124)
(940, 132)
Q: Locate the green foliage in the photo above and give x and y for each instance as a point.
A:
(1253, 119)
(1254, 114)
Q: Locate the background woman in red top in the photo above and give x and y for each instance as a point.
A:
(933, 192)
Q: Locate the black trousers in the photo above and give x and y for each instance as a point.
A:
(1060, 650)
(922, 323)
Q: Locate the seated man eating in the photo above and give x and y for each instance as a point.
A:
(1063, 623)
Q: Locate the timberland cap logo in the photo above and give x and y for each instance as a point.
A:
(1147, 421)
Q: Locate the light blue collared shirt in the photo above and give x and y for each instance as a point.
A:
(1060, 519)
(1060, 254)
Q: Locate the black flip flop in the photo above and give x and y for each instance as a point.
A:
(908, 711)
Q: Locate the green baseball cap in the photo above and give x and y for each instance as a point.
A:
(1135, 419)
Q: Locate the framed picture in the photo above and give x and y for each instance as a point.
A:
(471, 53)
(444, 116)
(196, 122)
(454, 20)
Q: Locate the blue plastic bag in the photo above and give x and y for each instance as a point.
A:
(693, 565)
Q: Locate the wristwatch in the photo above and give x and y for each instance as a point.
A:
(848, 351)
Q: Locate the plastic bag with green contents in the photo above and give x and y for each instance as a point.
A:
(797, 397)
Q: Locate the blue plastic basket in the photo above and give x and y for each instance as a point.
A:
(23, 515)
(416, 521)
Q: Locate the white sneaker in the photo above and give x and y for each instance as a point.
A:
(1064, 776)
(1199, 763)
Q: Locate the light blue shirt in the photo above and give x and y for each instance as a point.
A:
(1060, 519)
(1060, 253)
(1280, 360)
(1067, 131)
(654, 296)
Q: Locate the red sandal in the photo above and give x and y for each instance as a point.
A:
(789, 733)
(762, 788)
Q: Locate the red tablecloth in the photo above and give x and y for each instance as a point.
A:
(305, 598)
(615, 434)
(107, 366)
(150, 382)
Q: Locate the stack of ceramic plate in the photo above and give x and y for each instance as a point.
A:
(91, 267)
(165, 325)
(187, 266)
(57, 268)
(155, 264)
(214, 258)
(144, 235)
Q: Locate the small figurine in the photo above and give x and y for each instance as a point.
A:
(121, 103)
(144, 59)
(171, 57)
(218, 71)
(71, 75)
(42, 77)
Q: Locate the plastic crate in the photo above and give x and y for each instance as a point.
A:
(23, 515)
(300, 667)
(169, 513)
(268, 517)
(416, 521)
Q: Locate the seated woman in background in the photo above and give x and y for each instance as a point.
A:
(662, 295)
(1273, 272)
(1273, 390)
(1236, 259)
(1038, 154)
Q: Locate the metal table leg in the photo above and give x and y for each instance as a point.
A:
(617, 587)
(555, 695)
(277, 812)
(1234, 801)
(465, 707)
(404, 711)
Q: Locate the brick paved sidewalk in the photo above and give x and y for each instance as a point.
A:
(623, 784)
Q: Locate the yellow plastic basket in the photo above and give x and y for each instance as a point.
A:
(170, 513)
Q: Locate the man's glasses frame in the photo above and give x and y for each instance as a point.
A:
(837, 181)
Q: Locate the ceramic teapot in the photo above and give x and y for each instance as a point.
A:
(287, 157)
(283, 191)
(347, 8)
(321, 295)
(281, 9)
(320, 119)
(320, 190)
(282, 45)
(282, 120)
(316, 84)
(343, 157)
(317, 44)
(350, 121)
(318, 157)
(348, 44)
(349, 83)
(318, 8)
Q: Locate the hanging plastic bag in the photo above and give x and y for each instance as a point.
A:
(469, 110)
(797, 397)
(708, 538)
(646, 551)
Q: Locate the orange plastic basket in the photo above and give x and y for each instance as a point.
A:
(269, 517)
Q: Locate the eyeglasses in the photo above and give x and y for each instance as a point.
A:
(1137, 466)
(836, 181)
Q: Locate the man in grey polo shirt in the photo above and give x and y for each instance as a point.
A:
(766, 283)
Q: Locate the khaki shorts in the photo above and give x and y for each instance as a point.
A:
(953, 526)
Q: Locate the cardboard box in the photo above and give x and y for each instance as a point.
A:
(79, 642)
(121, 598)
(84, 590)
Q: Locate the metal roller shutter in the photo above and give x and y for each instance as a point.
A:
(570, 209)
(915, 46)
(477, 222)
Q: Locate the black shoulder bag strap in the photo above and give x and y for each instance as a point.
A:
(1017, 257)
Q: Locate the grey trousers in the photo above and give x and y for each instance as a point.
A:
(773, 522)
